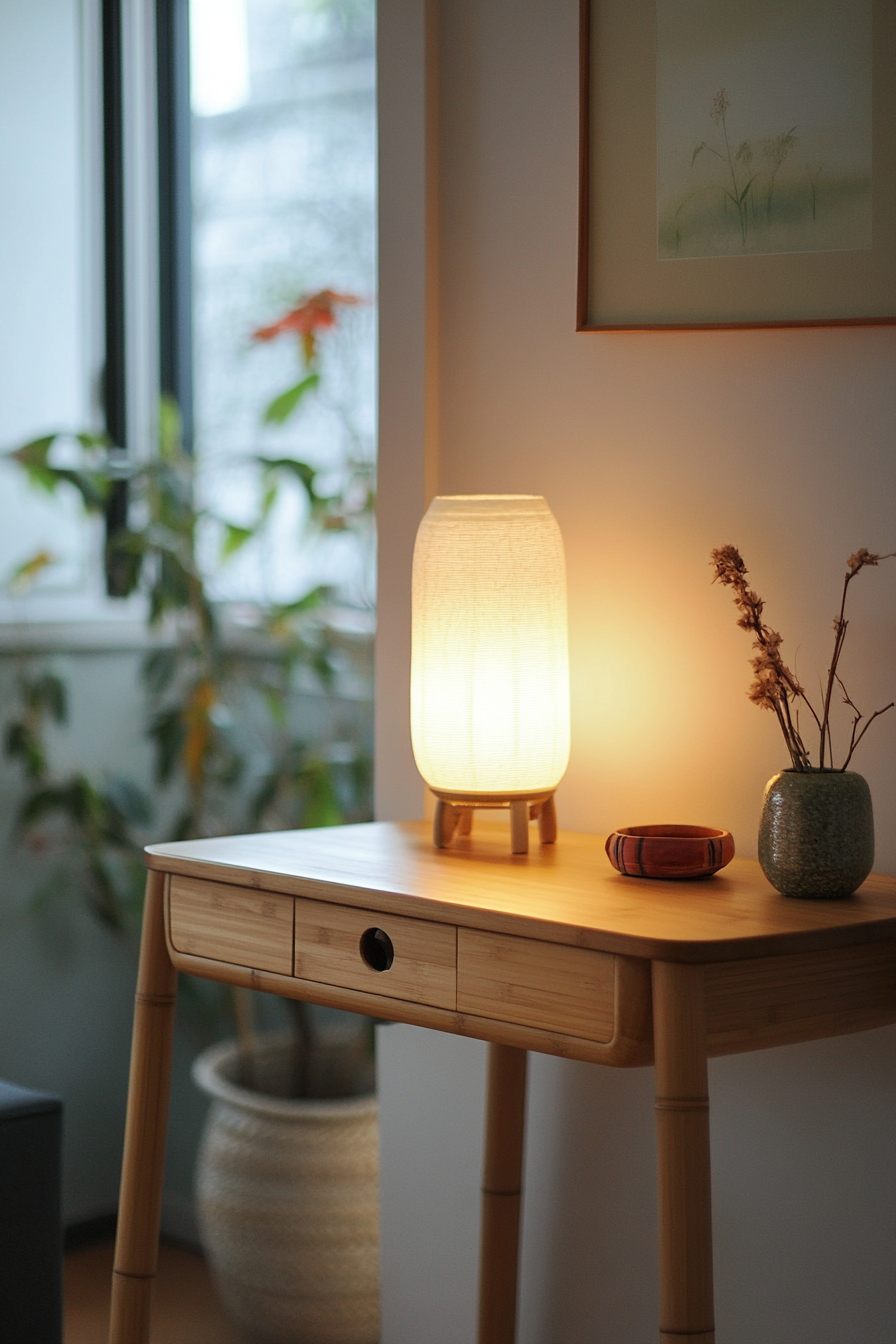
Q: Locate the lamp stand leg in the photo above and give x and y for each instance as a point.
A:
(452, 819)
(502, 1182)
(547, 822)
(137, 1240)
(519, 828)
(444, 823)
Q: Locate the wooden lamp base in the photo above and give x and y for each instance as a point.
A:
(454, 816)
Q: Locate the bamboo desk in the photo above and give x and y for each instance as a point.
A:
(549, 951)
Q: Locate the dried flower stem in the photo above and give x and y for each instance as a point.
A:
(855, 563)
(857, 719)
(774, 685)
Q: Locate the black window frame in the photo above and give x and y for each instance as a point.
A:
(175, 323)
(175, 208)
(114, 377)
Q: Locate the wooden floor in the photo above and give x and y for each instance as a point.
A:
(185, 1308)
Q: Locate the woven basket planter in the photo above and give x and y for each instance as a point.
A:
(288, 1203)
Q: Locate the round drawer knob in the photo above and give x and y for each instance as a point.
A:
(377, 950)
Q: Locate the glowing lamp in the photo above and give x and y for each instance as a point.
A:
(489, 661)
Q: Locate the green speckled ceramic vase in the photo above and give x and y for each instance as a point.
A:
(816, 836)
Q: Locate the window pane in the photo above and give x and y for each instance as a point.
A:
(284, 206)
(44, 349)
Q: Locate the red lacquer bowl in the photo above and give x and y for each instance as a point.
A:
(669, 851)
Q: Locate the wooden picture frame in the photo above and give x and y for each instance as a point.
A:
(788, 266)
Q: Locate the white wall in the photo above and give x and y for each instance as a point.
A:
(651, 449)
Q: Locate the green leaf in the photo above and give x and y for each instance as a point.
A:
(303, 473)
(322, 805)
(126, 551)
(43, 478)
(170, 429)
(92, 486)
(25, 573)
(235, 537)
(70, 800)
(323, 666)
(21, 744)
(282, 407)
(46, 694)
(276, 707)
(309, 602)
(35, 453)
(268, 500)
(159, 669)
(230, 767)
(172, 586)
(128, 800)
(167, 732)
(104, 900)
(93, 441)
(184, 827)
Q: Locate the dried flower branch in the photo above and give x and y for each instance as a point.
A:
(857, 719)
(774, 686)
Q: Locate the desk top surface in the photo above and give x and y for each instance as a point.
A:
(563, 893)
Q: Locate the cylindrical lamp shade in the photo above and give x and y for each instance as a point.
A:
(489, 655)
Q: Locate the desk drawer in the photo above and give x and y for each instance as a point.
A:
(414, 959)
(233, 924)
(570, 990)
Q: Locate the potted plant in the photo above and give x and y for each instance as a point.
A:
(816, 835)
(287, 1184)
(302, 1106)
(205, 674)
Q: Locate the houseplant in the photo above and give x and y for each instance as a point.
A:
(288, 1188)
(816, 834)
(287, 1173)
(219, 718)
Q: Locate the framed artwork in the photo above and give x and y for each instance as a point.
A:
(737, 164)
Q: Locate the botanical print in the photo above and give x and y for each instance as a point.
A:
(763, 126)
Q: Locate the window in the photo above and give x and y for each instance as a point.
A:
(265, 194)
(283, 154)
(51, 345)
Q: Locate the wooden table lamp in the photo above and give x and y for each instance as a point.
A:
(489, 662)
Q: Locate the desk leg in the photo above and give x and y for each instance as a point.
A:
(137, 1242)
(502, 1183)
(682, 1125)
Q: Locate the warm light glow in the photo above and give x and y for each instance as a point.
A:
(489, 660)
